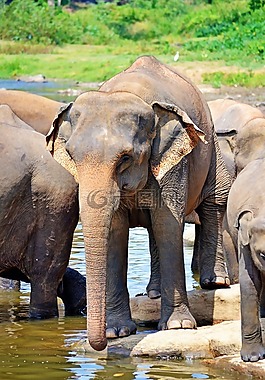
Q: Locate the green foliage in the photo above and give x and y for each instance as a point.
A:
(256, 4)
(244, 79)
(36, 21)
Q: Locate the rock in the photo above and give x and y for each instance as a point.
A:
(207, 306)
(70, 92)
(34, 78)
(205, 342)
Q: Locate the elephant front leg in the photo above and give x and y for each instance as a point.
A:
(250, 289)
(43, 298)
(168, 231)
(119, 321)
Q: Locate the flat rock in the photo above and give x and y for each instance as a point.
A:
(207, 306)
(39, 78)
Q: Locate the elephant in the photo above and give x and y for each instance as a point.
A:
(143, 145)
(40, 118)
(240, 129)
(241, 132)
(35, 110)
(38, 215)
(246, 223)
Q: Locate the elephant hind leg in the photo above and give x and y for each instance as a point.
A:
(212, 268)
(72, 291)
(213, 273)
(153, 288)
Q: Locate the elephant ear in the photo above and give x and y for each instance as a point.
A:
(63, 115)
(176, 136)
(243, 225)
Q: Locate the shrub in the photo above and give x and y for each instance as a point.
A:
(33, 21)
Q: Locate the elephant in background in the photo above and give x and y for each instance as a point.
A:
(38, 214)
(246, 223)
(241, 132)
(143, 146)
(35, 110)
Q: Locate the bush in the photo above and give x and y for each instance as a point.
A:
(36, 21)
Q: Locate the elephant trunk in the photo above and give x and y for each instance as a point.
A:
(97, 205)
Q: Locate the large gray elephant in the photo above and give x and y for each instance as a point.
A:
(38, 215)
(246, 223)
(144, 146)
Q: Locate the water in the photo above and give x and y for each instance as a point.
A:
(45, 349)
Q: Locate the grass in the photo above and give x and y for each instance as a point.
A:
(85, 63)
(216, 39)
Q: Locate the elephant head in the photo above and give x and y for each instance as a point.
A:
(251, 231)
(115, 140)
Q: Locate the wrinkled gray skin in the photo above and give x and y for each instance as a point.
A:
(139, 142)
(38, 215)
(246, 222)
(241, 135)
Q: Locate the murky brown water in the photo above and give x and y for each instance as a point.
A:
(45, 349)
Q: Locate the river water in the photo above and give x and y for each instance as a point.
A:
(39, 350)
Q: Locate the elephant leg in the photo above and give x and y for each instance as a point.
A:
(262, 297)
(72, 291)
(119, 321)
(213, 273)
(250, 290)
(168, 233)
(212, 268)
(230, 253)
(46, 260)
(196, 250)
(153, 287)
(168, 226)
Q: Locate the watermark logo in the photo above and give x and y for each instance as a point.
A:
(97, 199)
(144, 199)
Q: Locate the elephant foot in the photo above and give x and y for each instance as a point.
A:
(215, 282)
(153, 289)
(121, 329)
(72, 291)
(252, 352)
(180, 318)
(153, 294)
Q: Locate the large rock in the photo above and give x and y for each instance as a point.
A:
(207, 306)
(205, 342)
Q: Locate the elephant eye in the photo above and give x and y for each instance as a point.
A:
(124, 162)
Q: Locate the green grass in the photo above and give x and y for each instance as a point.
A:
(92, 43)
(244, 79)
